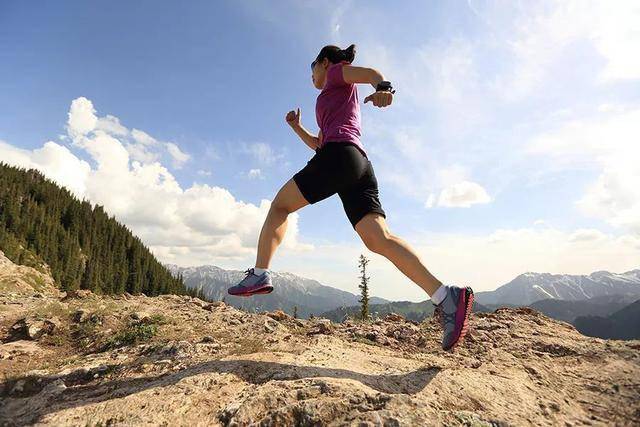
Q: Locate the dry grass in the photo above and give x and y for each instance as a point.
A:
(52, 309)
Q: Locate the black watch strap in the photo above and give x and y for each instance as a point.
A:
(385, 86)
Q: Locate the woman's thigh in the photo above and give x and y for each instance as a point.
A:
(289, 197)
(330, 171)
(362, 198)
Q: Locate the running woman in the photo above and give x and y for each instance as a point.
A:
(341, 165)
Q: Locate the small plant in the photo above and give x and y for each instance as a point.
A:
(134, 333)
(37, 282)
(85, 334)
(159, 319)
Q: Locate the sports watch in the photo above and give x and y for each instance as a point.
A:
(385, 86)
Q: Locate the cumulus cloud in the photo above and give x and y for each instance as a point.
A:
(140, 145)
(82, 117)
(199, 223)
(54, 160)
(463, 195)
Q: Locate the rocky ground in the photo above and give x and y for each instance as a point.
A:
(84, 359)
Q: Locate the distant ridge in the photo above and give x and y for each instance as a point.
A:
(308, 295)
(531, 287)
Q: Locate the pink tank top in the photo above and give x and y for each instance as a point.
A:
(338, 110)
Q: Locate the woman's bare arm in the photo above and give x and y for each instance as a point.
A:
(354, 74)
(372, 76)
(293, 120)
(309, 139)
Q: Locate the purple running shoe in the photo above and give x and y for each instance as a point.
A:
(252, 284)
(453, 313)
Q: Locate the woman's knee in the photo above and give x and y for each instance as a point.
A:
(289, 199)
(278, 207)
(376, 240)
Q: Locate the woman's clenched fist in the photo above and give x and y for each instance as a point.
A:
(293, 118)
(381, 98)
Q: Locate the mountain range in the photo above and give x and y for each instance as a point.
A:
(624, 324)
(592, 298)
(308, 295)
(530, 287)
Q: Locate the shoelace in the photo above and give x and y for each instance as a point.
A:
(442, 317)
(248, 271)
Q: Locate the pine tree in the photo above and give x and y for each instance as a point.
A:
(295, 311)
(42, 223)
(364, 288)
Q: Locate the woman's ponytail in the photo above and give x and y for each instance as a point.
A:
(349, 53)
(335, 54)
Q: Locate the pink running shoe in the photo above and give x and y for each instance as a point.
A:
(252, 284)
(453, 313)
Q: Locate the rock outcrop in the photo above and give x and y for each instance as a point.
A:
(174, 360)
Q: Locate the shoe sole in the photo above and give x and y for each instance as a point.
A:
(264, 290)
(465, 323)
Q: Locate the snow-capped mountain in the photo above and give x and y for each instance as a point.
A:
(310, 296)
(530, 287)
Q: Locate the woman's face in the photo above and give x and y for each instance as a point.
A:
(319, 73)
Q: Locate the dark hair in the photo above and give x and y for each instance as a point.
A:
(335, 54)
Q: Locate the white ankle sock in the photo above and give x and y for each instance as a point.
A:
(258, 271)
(439, 295)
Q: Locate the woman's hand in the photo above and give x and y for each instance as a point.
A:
(293, 118)
(381, 98)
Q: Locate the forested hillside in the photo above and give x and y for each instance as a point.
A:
(84, 247)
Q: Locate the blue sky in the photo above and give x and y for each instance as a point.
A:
(507, 148)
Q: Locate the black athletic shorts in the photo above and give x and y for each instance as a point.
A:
(341, 168)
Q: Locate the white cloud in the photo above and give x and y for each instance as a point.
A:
(431, 201)
(55, 161)
(112, 126)
(82, 117)
(606, 143)
(463, 195)
(140, 145)
(143, 138)
(178, 156)
(587, 235)
(143, 147)
(255, 173)
(261, 152)
(202, 222)
(616, 35)
(540, 35)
